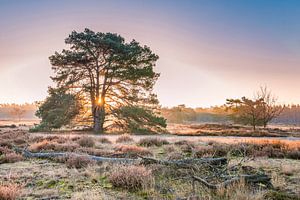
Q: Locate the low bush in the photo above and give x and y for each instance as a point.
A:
(78, 161)
(9, 191)
(42, 145)
(95, 152)
(5, 150)
(133, 151)
(10, 158)
(293, 154)
(131, 177)
(104, 140)
(86, 141)
(215, 150)
(152, 141)
(66, 147)
(46, 145)
(175, 156)
(278, 195)
(124, 139)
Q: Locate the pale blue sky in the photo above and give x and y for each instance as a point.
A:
(209, 50)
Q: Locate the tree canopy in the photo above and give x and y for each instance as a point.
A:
(112, 75)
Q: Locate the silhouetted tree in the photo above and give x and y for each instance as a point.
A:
(270, 109)
(246, 111)
(110, 72)
(58, 109)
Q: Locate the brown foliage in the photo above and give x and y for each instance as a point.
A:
(104, 140)
(46, 145)
(9, 191)
(133, 151)
(130, 177)
(42, 145)
(86, 141)
(10, 158)
(152, 141)
(78, 161)
(124, 139)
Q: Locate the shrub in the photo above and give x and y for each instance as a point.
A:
(10, 158)
(152, 141)
(175, 156)
(86, 141)
(42, 145)
(293, 154)
(5, 150)
(78, 161)
(9, 191)
(184, 142)
(205, 151)
(124, 139)
(131, 177)
(104, 140)
(133, 151)
(212, 151)
(66, 147)
(278, 195)
(95, 152)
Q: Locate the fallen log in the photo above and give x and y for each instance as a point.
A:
(185, 162)
(51, 155)
(141, 160)
(249, 179)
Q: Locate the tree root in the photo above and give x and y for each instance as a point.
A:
(249, 179)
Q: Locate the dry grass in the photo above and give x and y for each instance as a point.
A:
(133, 150)
(239, 191)
(78, 161)
(152, 141)
(5, 150)
(46, 145)
(124, 139)
(95, 152)
(10, 138)
(42, 145)
(9, 191)
(290, 170)
(140, 179)
(104, 140)
(86, 141)
(10, 158)
(131, 177)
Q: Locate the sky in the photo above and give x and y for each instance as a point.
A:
(209, 50)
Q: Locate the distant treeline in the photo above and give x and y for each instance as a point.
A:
(290, 115)
(18, 111)
(183, 114)
(178, 114)
(218, 114)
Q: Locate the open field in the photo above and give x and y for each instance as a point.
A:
(233, 130)
(76, 176)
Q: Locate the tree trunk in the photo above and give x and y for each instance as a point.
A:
(265, 125)
(99, 117)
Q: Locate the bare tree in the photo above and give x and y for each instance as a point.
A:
(17, 112)
(245, 111)
(270, 107)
